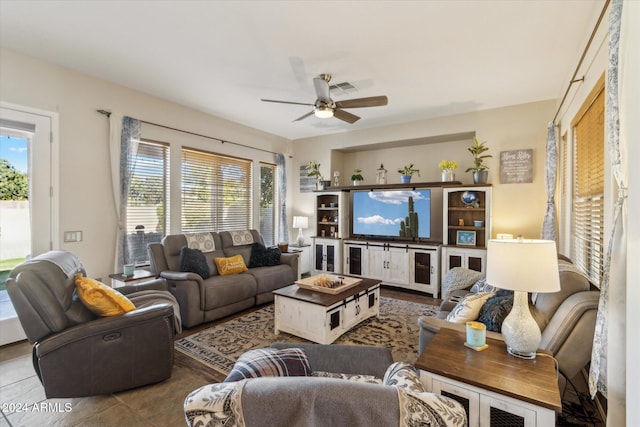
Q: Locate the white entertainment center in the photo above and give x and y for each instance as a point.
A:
(411, 263)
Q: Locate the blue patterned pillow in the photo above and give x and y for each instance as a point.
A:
(269, 362)
(194, 261)
(496, 308)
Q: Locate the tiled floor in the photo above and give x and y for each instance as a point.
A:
(24, 404)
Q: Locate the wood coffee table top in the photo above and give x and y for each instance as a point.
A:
(532, 381)
(321, 298)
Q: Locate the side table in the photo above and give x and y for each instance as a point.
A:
(304, 258)
(139, 276)
(495, 388)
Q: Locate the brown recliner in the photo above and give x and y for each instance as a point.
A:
(76, 353)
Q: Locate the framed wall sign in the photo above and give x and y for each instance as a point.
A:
(516, 166)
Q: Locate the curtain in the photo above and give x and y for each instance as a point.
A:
(115, 134)
(283, 229)
(130, 136)
(609, 355)
(549, 222)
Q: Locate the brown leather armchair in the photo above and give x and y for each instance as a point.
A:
(76, 353)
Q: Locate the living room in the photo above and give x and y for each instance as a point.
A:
(82, 175)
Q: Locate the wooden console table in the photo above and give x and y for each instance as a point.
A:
(495, 388)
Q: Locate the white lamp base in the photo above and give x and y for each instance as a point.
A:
(300, 237)
(520, 331)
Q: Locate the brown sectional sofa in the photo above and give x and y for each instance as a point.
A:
(203, 300)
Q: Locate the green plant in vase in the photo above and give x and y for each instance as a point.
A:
(479, 169)
(357, 177)
(406, 172)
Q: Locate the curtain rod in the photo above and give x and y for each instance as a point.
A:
(223, 141)
(584, 53)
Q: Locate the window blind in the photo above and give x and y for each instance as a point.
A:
(588, 190)
(147, 210)
(216, 192)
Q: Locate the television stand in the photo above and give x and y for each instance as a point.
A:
(398, 263)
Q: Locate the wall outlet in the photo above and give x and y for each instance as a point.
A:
(72, 236)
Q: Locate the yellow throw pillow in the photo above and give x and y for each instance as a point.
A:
(100, 298)
(231, 265)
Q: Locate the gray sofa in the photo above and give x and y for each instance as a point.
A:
(566, 318)
(203, 300)
(324, 401)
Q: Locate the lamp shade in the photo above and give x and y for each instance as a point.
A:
(300, 222)
(523, 265)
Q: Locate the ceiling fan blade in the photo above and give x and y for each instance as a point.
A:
(345, 116)
(321, 84)
(304, 117)
(373, 101)
(287, 102)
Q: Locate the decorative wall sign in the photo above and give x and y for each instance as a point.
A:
(516, 166)
(307, 183)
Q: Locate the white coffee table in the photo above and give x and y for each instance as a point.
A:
(322, 317)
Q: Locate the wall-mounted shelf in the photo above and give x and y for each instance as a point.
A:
(391, 186)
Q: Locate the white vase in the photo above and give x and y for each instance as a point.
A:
(448, 175)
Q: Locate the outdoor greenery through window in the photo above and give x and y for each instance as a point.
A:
(588, 188)
(267, 203)
(216, 192)
(147, 203)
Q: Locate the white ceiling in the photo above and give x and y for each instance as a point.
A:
(431, 58)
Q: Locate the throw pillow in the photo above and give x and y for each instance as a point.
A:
(270, 362)
(371, 379)
(101, 299)
(458, 278)
(403, 375)
(194, 261)
(231, 265)
(482, 286)
(496, 309)
(263, 256)
(468, 308)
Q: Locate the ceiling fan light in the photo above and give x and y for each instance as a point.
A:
(323, 112)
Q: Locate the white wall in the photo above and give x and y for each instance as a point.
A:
(85, 194)
(517, 208)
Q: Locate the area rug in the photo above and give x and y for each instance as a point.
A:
(220, 346)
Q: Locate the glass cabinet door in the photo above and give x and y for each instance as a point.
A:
(355, 260)
(319, 261)
(331, 258)
(422, 268)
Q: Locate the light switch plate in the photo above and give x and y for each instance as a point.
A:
(72, 236)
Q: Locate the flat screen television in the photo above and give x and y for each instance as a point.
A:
(398, 214)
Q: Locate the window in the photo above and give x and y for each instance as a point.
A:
(147, 203)
(587, 217)
(267, 203)
(216, 192)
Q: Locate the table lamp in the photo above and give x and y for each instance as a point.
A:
(522, 265)
(300, 222)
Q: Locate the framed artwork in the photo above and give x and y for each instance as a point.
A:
(466, 238)
(307, 183)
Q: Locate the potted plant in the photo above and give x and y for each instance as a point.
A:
(313, 169)
(448, 167)
(407, 172)
(357, 176)
(479, 169)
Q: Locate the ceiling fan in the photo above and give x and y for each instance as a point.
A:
(325, 107)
